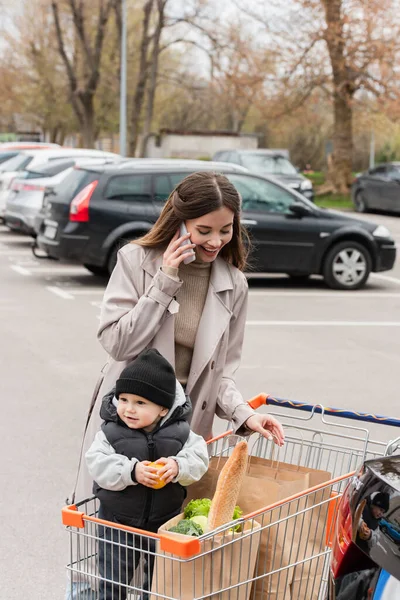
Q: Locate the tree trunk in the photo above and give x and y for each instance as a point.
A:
(87, 123)
(341, 175)
(344, 89)
(153, 76)
(142, 79)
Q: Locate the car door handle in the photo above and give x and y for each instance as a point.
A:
(248, 222)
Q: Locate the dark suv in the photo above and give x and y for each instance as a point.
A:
(99, 208)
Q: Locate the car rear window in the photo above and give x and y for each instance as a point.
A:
(131, 188)
(17, 163)
(165, 183)
(50, 169)
(73, 183)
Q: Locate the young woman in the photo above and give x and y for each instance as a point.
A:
(193, 314)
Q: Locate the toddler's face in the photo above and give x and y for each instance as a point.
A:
(139, 413)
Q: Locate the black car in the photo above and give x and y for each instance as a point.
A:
(378, 189)
(365, 562)
(114, 204)
(269, 163)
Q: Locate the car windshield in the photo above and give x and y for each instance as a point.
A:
(17, 163)
(274, 164)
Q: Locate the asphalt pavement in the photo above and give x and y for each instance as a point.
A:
(303, 342)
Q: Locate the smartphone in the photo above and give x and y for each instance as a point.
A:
(191, 257)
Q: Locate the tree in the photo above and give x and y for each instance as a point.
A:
(344, 47)
(81, 51)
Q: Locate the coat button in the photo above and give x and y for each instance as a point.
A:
(212, 364)
(204, 405)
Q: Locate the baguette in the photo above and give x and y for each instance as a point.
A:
(228, 487)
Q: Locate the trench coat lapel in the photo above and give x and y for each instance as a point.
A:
(213, 322)
(164, 340)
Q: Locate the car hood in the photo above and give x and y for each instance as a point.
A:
(339, 217)
(289, 180)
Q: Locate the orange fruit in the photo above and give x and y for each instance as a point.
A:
(160, 483)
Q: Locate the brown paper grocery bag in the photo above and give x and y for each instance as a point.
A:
(283, 543)
(226, 559)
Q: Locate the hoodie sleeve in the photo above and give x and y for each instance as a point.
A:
(192, 460)
(109, 470)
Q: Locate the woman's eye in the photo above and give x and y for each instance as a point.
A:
(225, 232)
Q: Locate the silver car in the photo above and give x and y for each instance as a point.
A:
(26, 195)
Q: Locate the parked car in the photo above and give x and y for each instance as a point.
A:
(26, 195)
(365, 562)
(12, 168)
(378, 189)
(99, 208)
(273, 163)
(27, 145)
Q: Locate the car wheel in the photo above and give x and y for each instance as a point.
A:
(96, 270)
(359, 203)
(347, 266)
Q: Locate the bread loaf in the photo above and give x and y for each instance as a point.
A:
(228, 487)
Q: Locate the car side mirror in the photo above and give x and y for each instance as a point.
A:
(300, 210)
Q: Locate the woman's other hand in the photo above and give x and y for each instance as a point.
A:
(175, 253)
(267, 426)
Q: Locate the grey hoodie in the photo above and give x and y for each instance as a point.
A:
(112, 471)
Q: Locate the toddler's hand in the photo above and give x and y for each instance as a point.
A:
(170, 469)
(144, 474)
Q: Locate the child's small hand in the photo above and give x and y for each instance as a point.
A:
(170, 469)
(144, 474)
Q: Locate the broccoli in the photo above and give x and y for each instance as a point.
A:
(187, 527)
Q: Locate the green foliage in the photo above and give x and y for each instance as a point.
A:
(198, 508)
(317, 178)
(335, 201)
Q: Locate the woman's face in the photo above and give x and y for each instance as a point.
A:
(211, 232)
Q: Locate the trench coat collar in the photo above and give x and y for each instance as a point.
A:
(220, 277)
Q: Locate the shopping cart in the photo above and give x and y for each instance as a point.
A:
(226, 566)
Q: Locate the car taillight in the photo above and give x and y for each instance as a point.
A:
(27, 187)
(79, 209)
(344, 530)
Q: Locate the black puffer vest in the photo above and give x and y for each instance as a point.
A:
(138, 505)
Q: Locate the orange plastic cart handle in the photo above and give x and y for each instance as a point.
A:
(258, 401)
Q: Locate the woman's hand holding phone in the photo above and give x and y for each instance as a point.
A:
(180, 249)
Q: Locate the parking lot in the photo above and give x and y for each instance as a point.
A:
(303, 342)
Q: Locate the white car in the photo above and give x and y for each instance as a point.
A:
(25, 198)
(12, 168)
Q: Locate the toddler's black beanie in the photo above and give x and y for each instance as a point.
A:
(151, 376)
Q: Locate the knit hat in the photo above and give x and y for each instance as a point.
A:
(381, 500)
(150, 376)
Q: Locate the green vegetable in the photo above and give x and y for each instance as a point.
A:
(198, 508)
(237, 513)
(187, 527)
(202, 521)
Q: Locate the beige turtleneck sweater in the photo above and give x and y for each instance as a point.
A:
(191, 297)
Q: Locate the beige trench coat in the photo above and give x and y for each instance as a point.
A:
(138, 312)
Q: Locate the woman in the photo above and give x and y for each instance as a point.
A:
(193, 314)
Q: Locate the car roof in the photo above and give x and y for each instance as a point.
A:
(387, 469)
(66, 152)
(27, 145)
(169, 165)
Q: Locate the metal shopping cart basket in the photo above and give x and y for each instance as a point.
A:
(250, 564)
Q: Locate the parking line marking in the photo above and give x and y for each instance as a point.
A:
(89, 291)
(59, 292)
(67, 269)
(20, 270)
(326, 323)
(386, 278)
(349, 295)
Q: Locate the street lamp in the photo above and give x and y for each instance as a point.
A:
(122, 87)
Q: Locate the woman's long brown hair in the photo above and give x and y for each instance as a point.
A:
(197, 195)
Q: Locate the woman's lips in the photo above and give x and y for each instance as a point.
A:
(208, 251)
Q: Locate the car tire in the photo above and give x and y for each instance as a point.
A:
(96, 270)
(359, 203)
(112, 257)
(347, 266)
